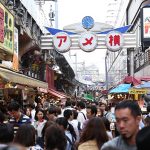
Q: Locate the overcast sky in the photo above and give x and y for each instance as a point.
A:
(73, 11)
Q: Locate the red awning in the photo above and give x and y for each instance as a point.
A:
(56, 93)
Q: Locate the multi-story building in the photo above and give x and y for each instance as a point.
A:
(134, 62)
(23, 65)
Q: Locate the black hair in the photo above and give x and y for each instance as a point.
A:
(68, 103)
(93, 109)
(13, 106)
(67, 113)
(67, 126)
(2, 117)
(81, 104)
(142, 139)
(106, 123)
(41, 110)
(132, 105)
(6, 133)
(52, 110)
(75, 113)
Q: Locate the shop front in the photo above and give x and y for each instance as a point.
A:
(16, 86)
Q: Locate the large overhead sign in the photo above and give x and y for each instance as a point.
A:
(64, 41)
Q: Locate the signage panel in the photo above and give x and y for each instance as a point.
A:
(6, 30)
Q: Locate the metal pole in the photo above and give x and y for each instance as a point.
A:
(56, 14)
(132, 62)
(106, 73)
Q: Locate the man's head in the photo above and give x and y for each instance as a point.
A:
(91, 111)
(128, 116)
(14, 109)
(80, 105)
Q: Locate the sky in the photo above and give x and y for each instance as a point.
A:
(73, 11)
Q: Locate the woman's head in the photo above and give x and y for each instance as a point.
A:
(94, 130)
(55, 138)
(39, 115)
(25, 135)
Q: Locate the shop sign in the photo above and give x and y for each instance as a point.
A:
(88, 42)
(137, 91)
(62, 42)
(146, 22)
(114, 41)
(6, 30)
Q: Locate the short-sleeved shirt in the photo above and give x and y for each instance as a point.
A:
(120, 143)
(16, 124)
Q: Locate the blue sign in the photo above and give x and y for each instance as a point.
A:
(88, 22)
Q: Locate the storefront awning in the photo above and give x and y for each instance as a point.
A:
(56, 94)
(15, 77)
(122, 88)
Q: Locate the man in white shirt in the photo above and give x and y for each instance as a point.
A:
(82, 112)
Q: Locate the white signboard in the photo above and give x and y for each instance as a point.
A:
(62, 42)
(88, 42)
(146, 22)
(114, 41)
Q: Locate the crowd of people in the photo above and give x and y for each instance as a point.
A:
(77, 125)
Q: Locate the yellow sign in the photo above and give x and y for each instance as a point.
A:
(8, 25)
(137, 91)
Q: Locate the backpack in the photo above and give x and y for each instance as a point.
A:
(73, 146)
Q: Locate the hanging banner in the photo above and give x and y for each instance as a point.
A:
(6, 30)
(15, 56)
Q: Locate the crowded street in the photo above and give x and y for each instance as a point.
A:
(74, 75)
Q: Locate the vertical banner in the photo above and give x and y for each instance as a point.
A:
(6, 30)
(15, 56)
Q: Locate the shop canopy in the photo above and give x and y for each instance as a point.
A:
(122, 88)
(131, 80)
(15, 77)
(57, 94)
(143, 85)
(89, 97)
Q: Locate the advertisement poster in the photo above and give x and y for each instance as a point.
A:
(146, 22)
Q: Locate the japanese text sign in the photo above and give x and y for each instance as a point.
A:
(114, 41)
(6, 30)
(62, 42)
(88, 41)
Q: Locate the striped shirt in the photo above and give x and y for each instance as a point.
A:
(16, 124)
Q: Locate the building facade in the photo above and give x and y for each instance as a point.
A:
(134, 62)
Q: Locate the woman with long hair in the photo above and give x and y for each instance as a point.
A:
(94, 135)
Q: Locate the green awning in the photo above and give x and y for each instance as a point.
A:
(89, 97)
